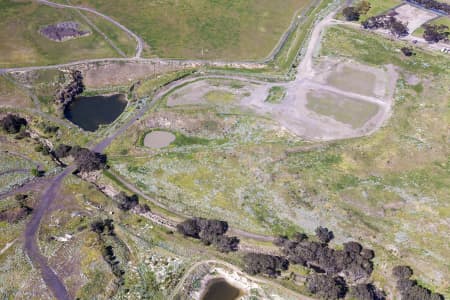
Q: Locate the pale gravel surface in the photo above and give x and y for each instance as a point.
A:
(413, 17)
(158, 139)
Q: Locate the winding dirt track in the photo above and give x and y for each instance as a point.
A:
(12, 171)
(31, 247)
(139, 41)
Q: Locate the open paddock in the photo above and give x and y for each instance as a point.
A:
(230, 30)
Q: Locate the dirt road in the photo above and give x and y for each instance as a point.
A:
(31, 247)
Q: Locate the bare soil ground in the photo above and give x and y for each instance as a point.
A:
(368, 85)
(413, 17)
(158, 139)
(354, 77)
(110, 74)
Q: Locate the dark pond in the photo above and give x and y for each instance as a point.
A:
(219, 289)
(90, 112)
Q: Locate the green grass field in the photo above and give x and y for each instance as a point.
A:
(204, 29)
(11, 95)
(380, 6)
(119, 37)
(22, 45)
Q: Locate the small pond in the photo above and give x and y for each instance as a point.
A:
(158, 139)
(220, 289)
(91, 112)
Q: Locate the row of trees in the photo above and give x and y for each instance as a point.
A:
(387, 22)
(354, 262)
(209, 232)
(433, 4)
(333, 269)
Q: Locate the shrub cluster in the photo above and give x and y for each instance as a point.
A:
(435, 33)
(407, 51)
(366, 291)
(409, 289)
(258, 263)
(85, 159)
(16, 214)
(353, 262)
(352, 13)
(107, 227)
(12, 123)
(209, 232)
(126, 202)
(49, 129)
(103, 226)
(390, 23)
(326, 286)
(62, 151)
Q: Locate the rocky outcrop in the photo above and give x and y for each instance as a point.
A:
(73, 89)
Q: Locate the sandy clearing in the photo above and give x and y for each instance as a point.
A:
(413, 17)
(158, 139)
(294, 113)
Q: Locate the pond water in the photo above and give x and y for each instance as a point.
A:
(91, 112)
(158, 139)
(220, 289)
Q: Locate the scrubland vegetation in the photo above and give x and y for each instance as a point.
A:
(230, 168)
